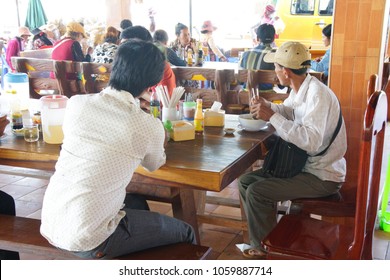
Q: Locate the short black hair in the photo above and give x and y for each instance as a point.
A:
(327, 31)
(125, 23)
(137, 66)
(179, 27)
(160, 36)
(300, 71)
(138, 32)
(43, 37)
(266, 33)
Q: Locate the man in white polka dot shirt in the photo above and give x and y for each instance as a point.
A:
(106, 137)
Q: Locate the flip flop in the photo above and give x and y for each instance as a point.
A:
(254, 254)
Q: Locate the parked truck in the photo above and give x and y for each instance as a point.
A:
(303, 21)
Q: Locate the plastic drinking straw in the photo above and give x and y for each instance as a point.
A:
(386, 190)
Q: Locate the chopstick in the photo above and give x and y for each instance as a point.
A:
(254, 95)
(162, 96)
(176, 95)
(167, 101)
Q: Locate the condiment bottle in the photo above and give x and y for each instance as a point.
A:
(154, 105)
(169, 128)
(199, 60)
(36, 119)
(16, 113)
(198, 119)
(189, 57)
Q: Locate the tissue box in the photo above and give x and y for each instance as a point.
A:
(182, 130)
(212, 118)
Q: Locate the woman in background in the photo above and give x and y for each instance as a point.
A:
(17, 44)
(208, 42)
(105, 52)
(321, 64)
(40, 40)
(69, 48)
(183, 41)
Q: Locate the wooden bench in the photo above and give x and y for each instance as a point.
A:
(221, 78)
(343, 203)
(42, 53)
(253, 78)
(38, 71)
(96, 76)
(23, 235)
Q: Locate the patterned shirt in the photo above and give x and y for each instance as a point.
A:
(308, 119)
(254, 59)
(104, 53)
(181, 50)
(106, 137)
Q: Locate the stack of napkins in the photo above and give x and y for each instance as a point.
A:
(214, 116)
(182, 130)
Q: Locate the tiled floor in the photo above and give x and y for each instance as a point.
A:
(28, 191)
(28, 194)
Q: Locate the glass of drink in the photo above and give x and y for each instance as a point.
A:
(169, 114)
(189, 110)
(31, 133)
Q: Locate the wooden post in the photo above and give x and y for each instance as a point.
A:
(116, 11)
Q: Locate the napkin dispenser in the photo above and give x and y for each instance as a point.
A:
(182, 131)
(214, 118)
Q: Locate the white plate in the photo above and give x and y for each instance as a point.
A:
(253, 130)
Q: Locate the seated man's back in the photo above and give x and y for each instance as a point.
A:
(254, 59)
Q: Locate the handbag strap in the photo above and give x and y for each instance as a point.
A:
(334, 134)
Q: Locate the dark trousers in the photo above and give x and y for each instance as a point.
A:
(140, 229)
(7, 207)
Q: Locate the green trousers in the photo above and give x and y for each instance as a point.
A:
(260, 196)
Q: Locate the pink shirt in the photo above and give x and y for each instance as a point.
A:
(14, 47)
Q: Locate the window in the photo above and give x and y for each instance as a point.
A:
(326, 8)
(302, 7)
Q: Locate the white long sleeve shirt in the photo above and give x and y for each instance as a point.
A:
(106, 137)
(308, 119)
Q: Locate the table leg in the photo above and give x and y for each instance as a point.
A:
(183, 208)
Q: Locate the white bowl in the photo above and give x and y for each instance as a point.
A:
(248, 123)
(229, 130)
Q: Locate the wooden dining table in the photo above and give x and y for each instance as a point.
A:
(210, 162)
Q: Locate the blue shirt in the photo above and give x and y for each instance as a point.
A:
(322, 65)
